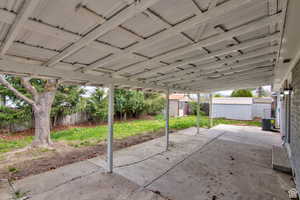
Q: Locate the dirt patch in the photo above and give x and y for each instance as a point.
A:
(16, 136)
(63, 155)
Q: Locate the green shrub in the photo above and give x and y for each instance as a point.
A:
(242, 93)
(155, 105)
(159, 117)
(10, 115)
(193, 106)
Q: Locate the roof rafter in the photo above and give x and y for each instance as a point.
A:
(202, 28)
(259, 65)
(32, 25)
(266, 80)
(217, 64)
(221, 69)
(201, 18)
(213, 40)
(158, 19)
(100, 19)
(21, 18)
(9, 65)
(236, 44)
(246, 83)
(251, 76)
(114, 22)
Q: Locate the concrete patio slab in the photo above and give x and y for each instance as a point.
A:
(5, 189)
(250, 135)
(224, 170)
(98, 185)
(47, 181)
(226, 162)
(82, 180)
(148, 160)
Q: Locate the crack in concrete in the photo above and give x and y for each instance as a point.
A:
(184, 159)
(139, 161)
(65, 182)
(159, 194)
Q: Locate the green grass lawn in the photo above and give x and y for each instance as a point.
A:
(89, 136)
(8, 145)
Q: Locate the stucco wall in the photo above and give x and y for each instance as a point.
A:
(295, 124)
(232, 111)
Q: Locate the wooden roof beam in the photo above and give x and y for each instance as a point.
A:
(217, 64)
(174, 30)
(21, 18)
(107, 26)
(210, 41)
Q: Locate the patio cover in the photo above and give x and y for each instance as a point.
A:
(180, 45)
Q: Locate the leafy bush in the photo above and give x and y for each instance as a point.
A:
(203, 108)
(98, 106)
(68, 100)
(10, 115)
(154, 105)
(242, 93)
(129, 103)
(159, 117)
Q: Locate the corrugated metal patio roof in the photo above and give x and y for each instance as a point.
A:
(182, 45)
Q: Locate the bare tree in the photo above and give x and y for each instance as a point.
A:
(41, 103)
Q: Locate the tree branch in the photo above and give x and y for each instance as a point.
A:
(26, 83)
(15, 91)
(51, 85)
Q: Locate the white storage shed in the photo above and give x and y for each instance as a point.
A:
(241, 108)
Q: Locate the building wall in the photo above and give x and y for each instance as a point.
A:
(294, 145)
(261, 110)
(174, 108)
(232, 111)
(178, 108)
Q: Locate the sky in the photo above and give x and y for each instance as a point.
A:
(89, 90)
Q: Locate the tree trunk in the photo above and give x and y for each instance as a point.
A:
(54, 121)
(41, 104)
(42, 119)
(2, 100)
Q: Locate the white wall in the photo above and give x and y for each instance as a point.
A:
(174, 108)
(261, 110)
(232, 111)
